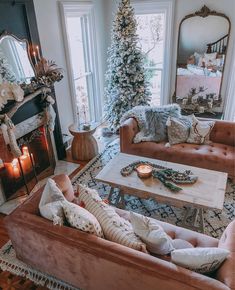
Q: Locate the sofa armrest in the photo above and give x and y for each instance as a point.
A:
(223, 132)
(128, 130)
(226, 272)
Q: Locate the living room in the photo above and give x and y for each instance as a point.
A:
(117, 138)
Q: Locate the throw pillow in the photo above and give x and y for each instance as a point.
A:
(210, 58)
(200, 131)
(152, 234)
(50, 205)
(178, 130)
(201, 260)
(81, 219)
(115, 228)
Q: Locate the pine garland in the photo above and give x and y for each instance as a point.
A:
(127, 84)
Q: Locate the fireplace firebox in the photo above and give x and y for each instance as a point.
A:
(19, 176)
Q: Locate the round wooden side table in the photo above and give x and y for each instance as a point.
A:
(84, 146)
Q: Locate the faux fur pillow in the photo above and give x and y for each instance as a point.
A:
(81, 219)
(115, 228)
(200, 131)
(51, 203)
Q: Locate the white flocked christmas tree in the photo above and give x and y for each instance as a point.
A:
(127, 84)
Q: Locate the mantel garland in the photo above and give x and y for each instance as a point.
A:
(163, 174)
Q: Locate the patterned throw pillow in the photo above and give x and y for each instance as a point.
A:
(152, 234)
(178, 129)
(201, 260)
(50, 205)
(81, 219)
(115, 228)
(200, 131)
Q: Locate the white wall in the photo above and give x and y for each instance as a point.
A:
(51, 39)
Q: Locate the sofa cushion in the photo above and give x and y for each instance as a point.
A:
(114, 227)
(50, 205)
(81, 219)
(214, 156)
(152, 234)
(200, 131)
(201, 260)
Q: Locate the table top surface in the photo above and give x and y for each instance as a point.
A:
(78, 130)
(207, 192)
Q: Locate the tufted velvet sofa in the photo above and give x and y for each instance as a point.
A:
(219, 155)
(91, 263)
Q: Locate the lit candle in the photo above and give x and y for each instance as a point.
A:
(35, 59)
(184, 102)
(144, 171)
(25, 151)
(39, 56)
(15, 168)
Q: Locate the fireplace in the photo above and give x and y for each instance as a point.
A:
(19, 175)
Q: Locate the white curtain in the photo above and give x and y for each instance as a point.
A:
(229, 113)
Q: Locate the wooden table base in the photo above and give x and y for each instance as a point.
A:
(193, 218)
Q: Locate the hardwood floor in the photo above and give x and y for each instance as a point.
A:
(12, 282)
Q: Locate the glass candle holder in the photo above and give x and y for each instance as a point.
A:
(144, 171)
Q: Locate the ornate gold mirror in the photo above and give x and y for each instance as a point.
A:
(202, 47)
(15, 61)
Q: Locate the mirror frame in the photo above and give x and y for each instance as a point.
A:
(204, 12)
(6, 33)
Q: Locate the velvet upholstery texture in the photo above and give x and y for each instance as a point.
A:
(91, 263)
(219, 155)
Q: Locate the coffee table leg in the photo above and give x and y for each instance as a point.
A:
(120, 200)
(197, 217)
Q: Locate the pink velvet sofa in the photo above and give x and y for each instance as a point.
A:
(91, 263)
(219, 155)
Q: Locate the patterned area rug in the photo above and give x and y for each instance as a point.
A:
(215, 221)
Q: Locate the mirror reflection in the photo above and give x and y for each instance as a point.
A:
(200, 63)
(15, 64)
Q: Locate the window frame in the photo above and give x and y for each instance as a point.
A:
(79, 9)
(167, 7)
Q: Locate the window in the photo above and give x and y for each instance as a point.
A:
(81, 54)
(154, 20)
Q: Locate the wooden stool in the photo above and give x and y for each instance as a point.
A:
(84, 145)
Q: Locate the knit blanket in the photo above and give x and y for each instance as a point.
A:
(152, 121)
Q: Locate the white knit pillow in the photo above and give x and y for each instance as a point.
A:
(115, 228)
(50, 205)
(152, 234)
(201, 260)
(81, 219)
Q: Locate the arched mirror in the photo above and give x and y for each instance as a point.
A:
(15, 62)
(202, 48)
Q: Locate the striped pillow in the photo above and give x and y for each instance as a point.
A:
(115, 228)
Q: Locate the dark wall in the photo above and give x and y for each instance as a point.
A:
(18, 17)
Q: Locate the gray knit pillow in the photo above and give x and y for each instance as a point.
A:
(178, 129)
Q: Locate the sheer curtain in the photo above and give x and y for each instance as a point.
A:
(229, 113)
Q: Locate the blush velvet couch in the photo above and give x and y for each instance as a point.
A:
(91, 263)
(219, 155)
